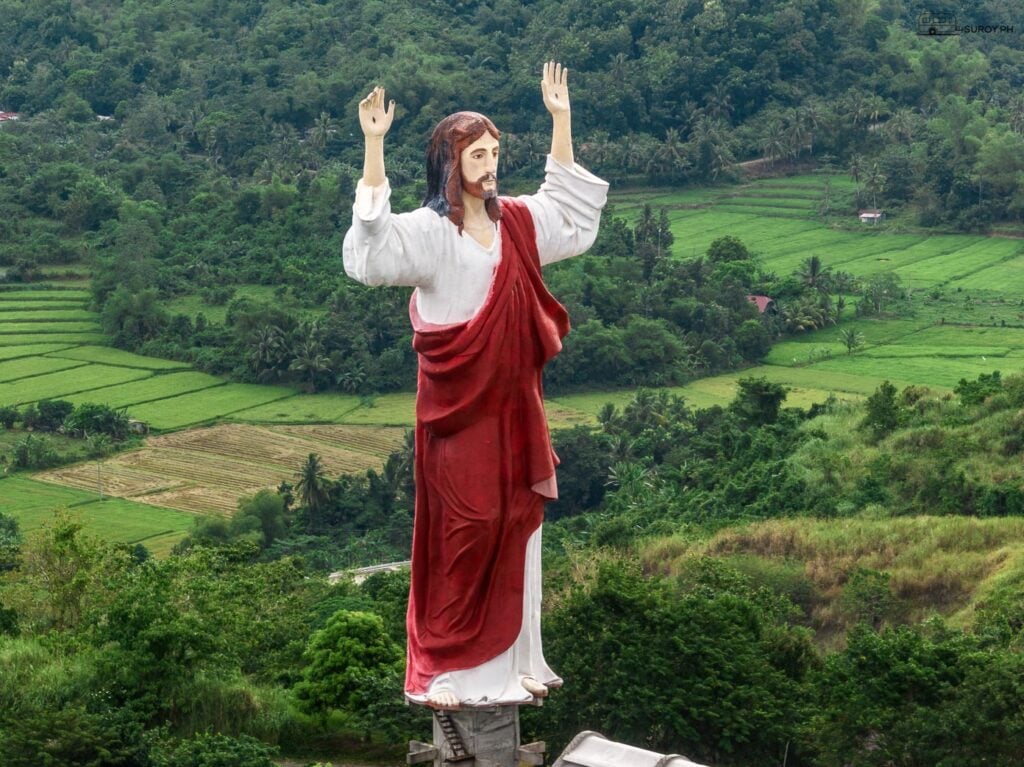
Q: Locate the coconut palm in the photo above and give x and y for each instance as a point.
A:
(810, 116)
(321, 131)
(814, 274)
(1015, 110)
(795, 138)
(310, 361)
(901, 126)
(267, 349)
(352, 379)
(851, 339)
(515, 152)
(772, 147)
(874, 182)
(856, 168)
(607, 417)
(719, 103)
(671, 154)
(312, 485)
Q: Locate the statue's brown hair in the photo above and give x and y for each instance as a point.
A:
(444, 177)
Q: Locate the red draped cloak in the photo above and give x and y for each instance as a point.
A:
(482, 444)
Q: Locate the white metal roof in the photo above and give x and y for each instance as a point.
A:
(591, 749)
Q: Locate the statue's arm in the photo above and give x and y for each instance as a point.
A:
(554, 85)
(382, 248)
(567, 208)
(375, 121)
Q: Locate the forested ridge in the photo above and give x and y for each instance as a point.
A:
(745, 585)
(232, 151)
(749, 584)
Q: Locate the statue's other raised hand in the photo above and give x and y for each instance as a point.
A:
(374, 119)
(555, 87)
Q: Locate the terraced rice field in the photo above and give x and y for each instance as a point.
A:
(302, 408)
(207, 404)
(30, 350)
(777, 220)
(207, 470)
(116, 520)
(62, 383)
(111, 356)
(58, 336)
(26, 367)
(50, 346)
(147, 389)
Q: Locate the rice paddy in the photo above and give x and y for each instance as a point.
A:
(207, 404)
(110, 356)
(116, 520)
(51, 346)
(207, 470)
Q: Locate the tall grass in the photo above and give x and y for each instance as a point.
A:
(947, 565)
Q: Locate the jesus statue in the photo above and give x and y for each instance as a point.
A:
(484, 326)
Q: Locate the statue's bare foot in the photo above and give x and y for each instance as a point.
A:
(535, 688)
(443, 700)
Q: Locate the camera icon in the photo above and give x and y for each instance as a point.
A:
(937, 24)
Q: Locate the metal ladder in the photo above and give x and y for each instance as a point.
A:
(451, 734)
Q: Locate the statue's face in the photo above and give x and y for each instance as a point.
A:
(479, 165)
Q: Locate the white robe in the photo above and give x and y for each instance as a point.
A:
(452, 275)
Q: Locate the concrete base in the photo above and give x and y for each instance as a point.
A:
(477, 737)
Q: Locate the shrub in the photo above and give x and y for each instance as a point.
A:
(214, 750)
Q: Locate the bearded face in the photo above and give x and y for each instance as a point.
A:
(478, 164)
(462, 159)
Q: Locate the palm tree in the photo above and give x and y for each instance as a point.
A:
(711, 140)
(352, 379)
(856, 167)
(188, 129)
(310, 361)
(599, 149)
(795, 138)
(813, 274)
(810, 116)
(874, 182)
(267, 349)
(851, 339)
(515, 152)
(321, 131)
(719, 103)
(1016, 113)
(607, 417)
(672, 153)
(312, 485)
(806, 314)
(772, 147)
(901, 126)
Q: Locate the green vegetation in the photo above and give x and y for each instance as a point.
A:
(207, 404)
(148, 389)
(58, 384)
(32, 504)
(117, 357)
(304, 408)
(32, 366)
(766, 574)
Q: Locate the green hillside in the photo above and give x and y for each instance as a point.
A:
(788, 532)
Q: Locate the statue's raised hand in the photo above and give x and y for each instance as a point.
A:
(374, 119)
(555, 87)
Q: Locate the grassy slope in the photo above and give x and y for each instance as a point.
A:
(937, 565)
(958, 334)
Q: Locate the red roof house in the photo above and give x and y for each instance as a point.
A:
(764, 304)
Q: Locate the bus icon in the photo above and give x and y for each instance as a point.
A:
(937, 24)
